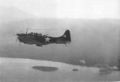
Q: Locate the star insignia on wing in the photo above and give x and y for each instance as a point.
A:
(47, 39)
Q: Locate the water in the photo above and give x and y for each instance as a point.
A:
(94, 41)
(20, 70)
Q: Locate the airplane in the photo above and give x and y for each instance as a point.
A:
(39, 40)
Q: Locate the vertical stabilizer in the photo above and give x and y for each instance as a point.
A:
(67, 35)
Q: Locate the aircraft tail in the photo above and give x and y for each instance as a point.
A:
(67, 35)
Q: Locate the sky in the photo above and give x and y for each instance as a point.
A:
(86, 9)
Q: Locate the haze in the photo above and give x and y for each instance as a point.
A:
(85, 9)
